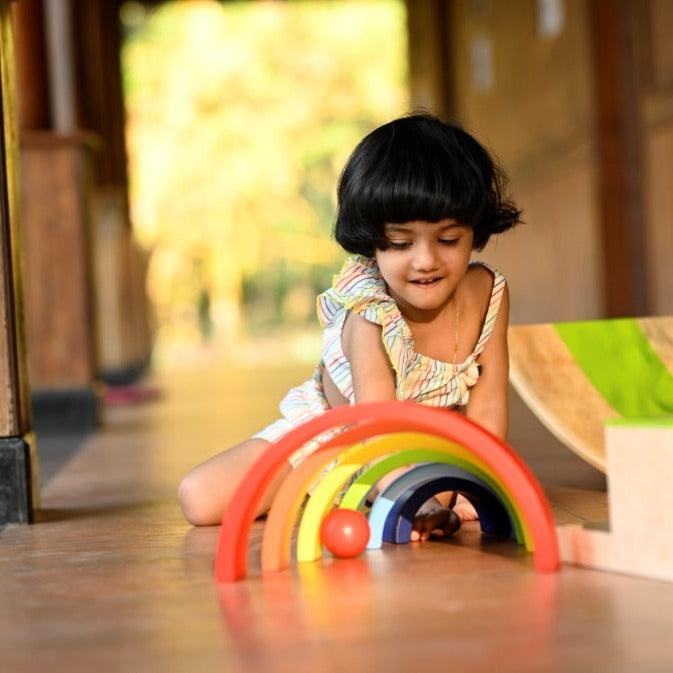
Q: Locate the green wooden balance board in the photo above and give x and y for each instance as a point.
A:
(578, 376)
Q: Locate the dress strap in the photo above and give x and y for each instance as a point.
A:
(499, 284)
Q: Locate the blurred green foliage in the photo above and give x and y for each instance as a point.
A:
(240, 118)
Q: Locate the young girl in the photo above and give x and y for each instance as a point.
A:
(408, 316)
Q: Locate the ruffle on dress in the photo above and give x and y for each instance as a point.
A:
(359, 287)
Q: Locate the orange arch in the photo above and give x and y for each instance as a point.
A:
(378, 418)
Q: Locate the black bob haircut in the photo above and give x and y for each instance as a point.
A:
(418, 168)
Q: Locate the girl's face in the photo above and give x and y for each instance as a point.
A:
(424, 263)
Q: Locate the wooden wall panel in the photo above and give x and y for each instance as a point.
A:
(619, 155)
(427, 27)
(659, 193)
(552, 261)
(659, 23)
(538, 109)
(656, 48)
(533, 108)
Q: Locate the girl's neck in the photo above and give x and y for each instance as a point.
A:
(415, 316)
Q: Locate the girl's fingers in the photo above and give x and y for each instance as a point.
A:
(420, 530)
(441, 524)
(424, 525)
(452, 524)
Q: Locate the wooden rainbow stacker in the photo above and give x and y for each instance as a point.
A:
(449, 452)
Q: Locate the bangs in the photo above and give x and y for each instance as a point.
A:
(427, 184)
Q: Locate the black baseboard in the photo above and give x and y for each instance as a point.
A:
(125, 376)
(18, 481)
(66, 410)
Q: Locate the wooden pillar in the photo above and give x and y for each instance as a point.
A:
(429, 71)
(619, 156)
(18, 460)
(100, 103)
(61, 316)
(124, 340)
(59, 45)
(34, 108)
(57, 164)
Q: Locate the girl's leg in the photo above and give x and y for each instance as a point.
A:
(205, 492)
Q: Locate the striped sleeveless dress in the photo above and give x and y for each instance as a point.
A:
(359, 287)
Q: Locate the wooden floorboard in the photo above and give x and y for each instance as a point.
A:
(113, 579)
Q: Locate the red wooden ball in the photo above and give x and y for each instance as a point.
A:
(345, 532)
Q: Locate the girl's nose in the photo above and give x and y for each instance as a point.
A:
(425, 257)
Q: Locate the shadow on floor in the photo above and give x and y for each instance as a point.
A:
(55, 450)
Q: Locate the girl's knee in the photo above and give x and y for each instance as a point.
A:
(194, 501)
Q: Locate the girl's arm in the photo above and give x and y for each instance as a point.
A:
(371, 371)
(488, 403)
(374, 380)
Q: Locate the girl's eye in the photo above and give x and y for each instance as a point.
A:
(448, 241)
(399, 245)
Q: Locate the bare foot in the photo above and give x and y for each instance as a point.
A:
(434, 519)
(464, 509)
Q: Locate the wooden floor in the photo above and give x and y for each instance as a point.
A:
(114, 580)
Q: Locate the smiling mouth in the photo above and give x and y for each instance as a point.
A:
(427, 282)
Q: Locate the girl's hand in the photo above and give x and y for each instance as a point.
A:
(434, 518)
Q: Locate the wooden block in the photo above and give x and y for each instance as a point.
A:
(640, 536)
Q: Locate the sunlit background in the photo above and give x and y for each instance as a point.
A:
(240, 117)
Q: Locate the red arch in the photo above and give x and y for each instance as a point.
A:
(378, 418)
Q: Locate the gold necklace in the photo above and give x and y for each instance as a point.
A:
(455, 346)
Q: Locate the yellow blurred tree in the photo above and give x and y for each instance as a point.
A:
(240, 117)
